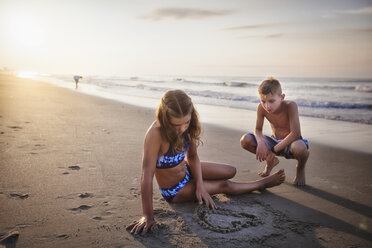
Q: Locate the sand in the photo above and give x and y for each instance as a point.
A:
(70, 169)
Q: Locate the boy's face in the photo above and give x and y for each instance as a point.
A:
(271, 102)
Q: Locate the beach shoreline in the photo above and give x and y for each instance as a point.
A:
(344, 134)
(71, 165)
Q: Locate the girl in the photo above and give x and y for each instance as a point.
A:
(170, 152)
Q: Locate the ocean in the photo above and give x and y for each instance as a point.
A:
(329, 98)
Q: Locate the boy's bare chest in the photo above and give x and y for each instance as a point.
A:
(278, 121)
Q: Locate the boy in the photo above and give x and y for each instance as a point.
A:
(286, 140)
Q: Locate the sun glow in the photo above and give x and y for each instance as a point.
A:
(27, 74)
(26, 31)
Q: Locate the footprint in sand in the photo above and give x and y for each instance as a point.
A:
(106, 131)
(134, 192)
(39, 146)
(9, 240)
(80, 208)
(74, 167)
(20, 196)
(15, 127)
(63, 236)
(86, 195)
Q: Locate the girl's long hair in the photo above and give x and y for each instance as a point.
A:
(177, 104)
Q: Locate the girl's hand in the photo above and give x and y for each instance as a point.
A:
(261, 152)
(203, 195)
(141, 225)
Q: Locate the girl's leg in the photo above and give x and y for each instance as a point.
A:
(215, 171)
(228, 187)
(236, 188)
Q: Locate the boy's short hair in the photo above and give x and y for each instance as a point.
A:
(270, 86)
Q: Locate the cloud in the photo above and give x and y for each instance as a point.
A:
(362, 30)
(335, 33)
(342, 32)
(366, 30)
(183, 13)
(273, 36)
(268, 36)
(329, 15)
(361, 11)
(247, 27)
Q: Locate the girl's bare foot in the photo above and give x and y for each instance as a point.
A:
(269, 166)
(275, 179)
(299, 179)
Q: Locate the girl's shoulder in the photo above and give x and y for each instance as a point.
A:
(154, 133)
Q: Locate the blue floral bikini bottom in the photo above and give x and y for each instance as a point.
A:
(169, 193)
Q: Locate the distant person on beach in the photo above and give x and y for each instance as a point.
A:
(170, 153)
(286, 140)
(77, 78)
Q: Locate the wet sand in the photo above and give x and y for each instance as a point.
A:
(70, 169)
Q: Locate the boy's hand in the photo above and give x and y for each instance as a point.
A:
(261, 152)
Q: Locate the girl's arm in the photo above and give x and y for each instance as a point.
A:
(195, 166)
(151, 148)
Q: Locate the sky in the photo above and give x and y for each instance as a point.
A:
(288, 38)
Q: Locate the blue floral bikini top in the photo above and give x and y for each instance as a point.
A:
(171, 159)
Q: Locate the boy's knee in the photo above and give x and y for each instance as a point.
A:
(299, 148)
(246, 141)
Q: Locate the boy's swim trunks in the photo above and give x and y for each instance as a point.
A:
(271, 142)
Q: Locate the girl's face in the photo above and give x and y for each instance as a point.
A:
(180, 124)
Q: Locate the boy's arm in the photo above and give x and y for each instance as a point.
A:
(294, 127)
(261, 151)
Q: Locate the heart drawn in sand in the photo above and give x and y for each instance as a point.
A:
(224, 220)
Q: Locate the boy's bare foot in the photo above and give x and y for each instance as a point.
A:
(299, 179)
(269, 166)
(274, 180)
